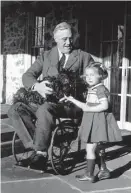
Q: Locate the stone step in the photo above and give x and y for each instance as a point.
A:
(6, 149)
(7, 130)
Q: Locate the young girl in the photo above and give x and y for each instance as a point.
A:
(98, 123)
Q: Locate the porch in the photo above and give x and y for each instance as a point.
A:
(102, 29)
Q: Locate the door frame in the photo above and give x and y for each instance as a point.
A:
(123, 124)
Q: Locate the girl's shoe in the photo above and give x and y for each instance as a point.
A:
(86, 177)
(104, 174)
(89, 172)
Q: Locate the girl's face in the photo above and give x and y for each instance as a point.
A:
(92, 76)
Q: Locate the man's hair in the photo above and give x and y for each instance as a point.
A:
(62, 26)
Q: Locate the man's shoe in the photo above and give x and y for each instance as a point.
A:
(23, 163)
(35, 161)
(104, 174)
(85, 177)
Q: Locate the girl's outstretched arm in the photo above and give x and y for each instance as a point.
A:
(102, 106)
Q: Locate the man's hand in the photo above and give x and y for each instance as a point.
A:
(43, 89)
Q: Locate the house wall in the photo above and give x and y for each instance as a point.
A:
(17, 42)
(15, 59)
(18, 31)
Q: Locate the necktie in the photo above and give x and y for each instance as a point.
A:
(61, 62)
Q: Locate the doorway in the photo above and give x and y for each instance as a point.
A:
(116, 55)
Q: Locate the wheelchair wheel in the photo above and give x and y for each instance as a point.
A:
(18, 150)
(64, 147)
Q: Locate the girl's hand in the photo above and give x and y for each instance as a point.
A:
(65, 98)
(74, 101)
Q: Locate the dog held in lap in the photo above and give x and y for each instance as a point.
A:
(65, 83)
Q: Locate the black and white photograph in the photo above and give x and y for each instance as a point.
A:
(65, 96)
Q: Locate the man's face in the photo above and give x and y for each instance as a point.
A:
(63, 38)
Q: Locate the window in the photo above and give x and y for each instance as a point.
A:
(38, 37)
(112, 54)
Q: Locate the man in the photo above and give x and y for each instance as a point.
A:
(50, 63)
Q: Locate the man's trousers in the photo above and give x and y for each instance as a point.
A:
(38, 122)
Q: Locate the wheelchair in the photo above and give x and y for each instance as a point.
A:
(63, 147)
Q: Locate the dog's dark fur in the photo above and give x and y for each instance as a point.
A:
(66, 83)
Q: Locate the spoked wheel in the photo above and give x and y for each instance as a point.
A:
(64, 148)
(18, 149)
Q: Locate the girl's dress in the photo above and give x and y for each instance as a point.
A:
(101, 126)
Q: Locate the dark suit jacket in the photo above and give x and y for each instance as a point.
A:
(47, 64)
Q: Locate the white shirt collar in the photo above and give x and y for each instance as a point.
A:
(60, 55)
(96, 85)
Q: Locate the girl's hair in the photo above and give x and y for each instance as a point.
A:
(102, 71)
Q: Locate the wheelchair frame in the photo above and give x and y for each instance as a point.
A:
(63, 146)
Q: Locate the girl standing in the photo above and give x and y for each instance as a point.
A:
(98, 122)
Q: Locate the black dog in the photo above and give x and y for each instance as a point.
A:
(66, 83)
